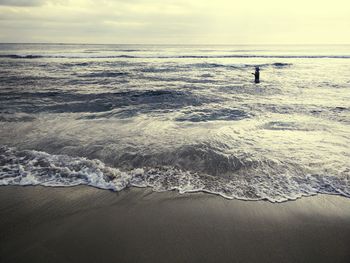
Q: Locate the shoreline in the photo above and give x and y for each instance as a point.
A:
(86, 224)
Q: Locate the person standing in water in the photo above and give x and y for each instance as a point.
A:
(257, 74)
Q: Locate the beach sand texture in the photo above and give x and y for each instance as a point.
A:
(84, 224)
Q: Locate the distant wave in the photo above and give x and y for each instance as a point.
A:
(254, 56)
(104, 74)
(278, 64)
(39, 168)
(213, 115)
(239, 66)
(15, 56)
(142, 100)
(20, 56)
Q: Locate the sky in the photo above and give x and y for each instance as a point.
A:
(175, 21)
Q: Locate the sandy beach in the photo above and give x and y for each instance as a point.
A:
(84, 224)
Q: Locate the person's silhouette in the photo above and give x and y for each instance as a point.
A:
(257, 74)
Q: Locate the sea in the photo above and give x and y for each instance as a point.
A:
(185, 118)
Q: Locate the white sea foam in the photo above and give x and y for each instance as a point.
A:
(39, 168)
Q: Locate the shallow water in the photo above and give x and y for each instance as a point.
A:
(188, 118)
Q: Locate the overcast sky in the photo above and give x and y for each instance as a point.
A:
(176, 21)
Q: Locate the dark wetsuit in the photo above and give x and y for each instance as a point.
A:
(257, 76)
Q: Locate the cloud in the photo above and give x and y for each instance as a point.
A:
(174, 21)
(22, 2)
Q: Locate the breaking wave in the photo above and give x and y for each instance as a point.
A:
(16, 56)
(249, 181)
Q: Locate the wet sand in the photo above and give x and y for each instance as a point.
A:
(84, 224)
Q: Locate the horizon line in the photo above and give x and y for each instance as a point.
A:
(177, 44)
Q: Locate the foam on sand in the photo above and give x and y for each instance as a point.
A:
(39, 168)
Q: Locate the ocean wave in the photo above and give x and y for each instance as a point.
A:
(34, 56)
(14, 56)
(104, 74)
(251, 56)
(19, 117)
(239, 66)
(214, 65)
(142, 100)
(213, 115)
(291, 126)
(159, 69)
(254, 182)
(76, 64)
(279, 64)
